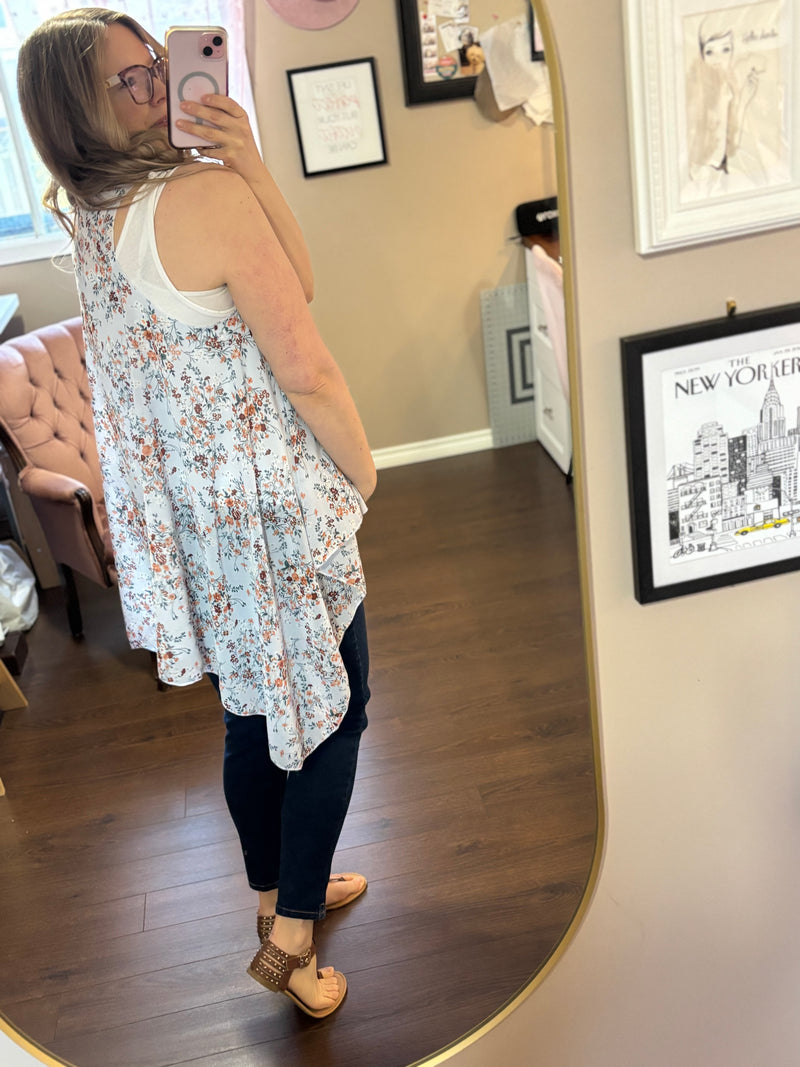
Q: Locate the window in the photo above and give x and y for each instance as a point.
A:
(27, 230)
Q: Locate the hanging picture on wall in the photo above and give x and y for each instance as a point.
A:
(442, 54)
(537, 41)
(714, 125)
(338, 117)
(712, 414)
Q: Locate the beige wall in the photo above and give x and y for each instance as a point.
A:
(401, 252)
(690, 951)
(46, 293)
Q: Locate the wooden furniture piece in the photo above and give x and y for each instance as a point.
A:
(10, 698)
(10, 695)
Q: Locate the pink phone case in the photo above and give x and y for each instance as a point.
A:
(197, 63)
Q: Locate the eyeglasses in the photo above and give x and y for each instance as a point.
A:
(138, 80)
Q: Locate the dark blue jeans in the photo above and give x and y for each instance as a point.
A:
(289, 822)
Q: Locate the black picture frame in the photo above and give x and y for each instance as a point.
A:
(337, 115)
(537, 45)
(417, 90)
(712, 455)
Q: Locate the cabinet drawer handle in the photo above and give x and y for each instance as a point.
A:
(548, 412)
(543, 329)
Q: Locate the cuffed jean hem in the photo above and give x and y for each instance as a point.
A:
(289, 913)
(263, 888)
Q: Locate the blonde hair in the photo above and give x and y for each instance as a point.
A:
(70, 119)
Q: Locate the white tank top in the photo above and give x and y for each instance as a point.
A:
(138, 256)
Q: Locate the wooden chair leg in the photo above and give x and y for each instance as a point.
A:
(73, 605)
(10, 698)
(10, 694)
(76, 619)
(161, 686)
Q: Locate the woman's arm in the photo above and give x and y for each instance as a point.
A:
(238, 151)
(216, 209)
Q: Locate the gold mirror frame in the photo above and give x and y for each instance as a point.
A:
(565, 233)
(42, 1055)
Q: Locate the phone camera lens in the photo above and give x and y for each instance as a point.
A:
(217, 40)
(208, 50)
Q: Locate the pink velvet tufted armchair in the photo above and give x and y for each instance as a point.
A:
(46, 427)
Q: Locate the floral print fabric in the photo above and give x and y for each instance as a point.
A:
(233, 530)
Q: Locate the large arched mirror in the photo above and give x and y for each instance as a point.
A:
(126, 920)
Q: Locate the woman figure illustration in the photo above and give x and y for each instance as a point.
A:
(235, 466)
(716, 99)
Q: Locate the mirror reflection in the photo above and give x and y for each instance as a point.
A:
(127, 920)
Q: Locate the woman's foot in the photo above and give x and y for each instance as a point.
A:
(344, 889)
(318, 993)
(318, 989)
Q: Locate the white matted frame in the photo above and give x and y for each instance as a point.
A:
(714, 118)
(338, 116)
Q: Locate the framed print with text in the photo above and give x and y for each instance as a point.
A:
(712, 414)
(338, 117)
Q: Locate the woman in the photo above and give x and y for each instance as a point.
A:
(716, 102)
(235, 465)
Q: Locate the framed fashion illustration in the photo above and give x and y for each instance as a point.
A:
(713, 118)
(337, 113)
(712, 416)
(442, 56)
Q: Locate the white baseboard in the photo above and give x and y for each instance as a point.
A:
(436, 448)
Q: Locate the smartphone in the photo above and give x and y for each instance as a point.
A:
(197, 63)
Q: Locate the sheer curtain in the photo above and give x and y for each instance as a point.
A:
(157, 16)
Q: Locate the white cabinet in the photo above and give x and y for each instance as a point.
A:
(551, 407)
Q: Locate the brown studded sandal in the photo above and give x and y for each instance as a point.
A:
(264, 924)
(273, 968)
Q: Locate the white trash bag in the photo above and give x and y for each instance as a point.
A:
(19, 604)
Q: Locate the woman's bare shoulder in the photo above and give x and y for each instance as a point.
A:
(205, 207)
(199, 187)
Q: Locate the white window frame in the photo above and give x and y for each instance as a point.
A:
(230, 13)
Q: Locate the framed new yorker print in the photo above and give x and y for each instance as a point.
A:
(712, 413)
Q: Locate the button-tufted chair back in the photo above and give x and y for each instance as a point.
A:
(46, 426)
(46, 403)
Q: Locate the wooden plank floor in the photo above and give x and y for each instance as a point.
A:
(125, 921)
